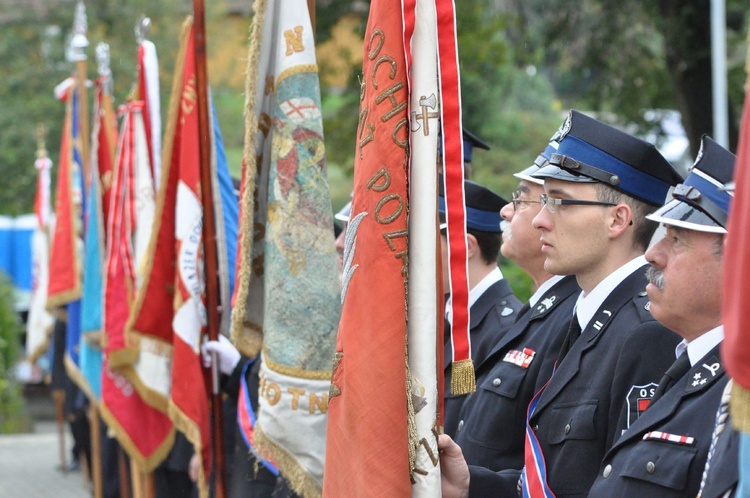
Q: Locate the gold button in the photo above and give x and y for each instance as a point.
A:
(607, 471)
(650, 467)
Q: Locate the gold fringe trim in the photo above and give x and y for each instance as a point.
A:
(122, 358)
(294, 70)
(146, 464)
(463, 380)
(249, 343)
(300, 480)
(300, 373)
(153, 398)
(192, 432)
(739, 406)
(239, 313)
(41, 348)
(166, 164)
(77, 376)
(63, 298)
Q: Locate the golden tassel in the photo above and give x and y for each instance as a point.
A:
(463, 380)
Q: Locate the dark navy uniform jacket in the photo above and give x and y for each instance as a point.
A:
(490, 317)
(493, 419)
(642, 464)
(621, 351)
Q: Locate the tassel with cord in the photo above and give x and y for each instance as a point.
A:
(463, 380)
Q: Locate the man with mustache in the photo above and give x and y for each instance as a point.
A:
(598, 187)
(492, 420)
(663, 453)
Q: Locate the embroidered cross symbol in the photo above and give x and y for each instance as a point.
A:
(426, 103)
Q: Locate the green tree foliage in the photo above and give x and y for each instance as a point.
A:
(11, 400)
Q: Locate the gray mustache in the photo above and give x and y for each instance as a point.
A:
(655, 277)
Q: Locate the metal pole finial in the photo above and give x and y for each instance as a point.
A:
(142, 29)
(103, 67)
(79, 42)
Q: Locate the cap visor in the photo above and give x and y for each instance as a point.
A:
(554, 173)
(682, 214)
(526, 175)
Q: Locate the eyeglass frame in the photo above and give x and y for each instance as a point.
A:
(551, 203)
(515, 200)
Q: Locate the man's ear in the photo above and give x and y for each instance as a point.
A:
(472, 246)
(622, 218)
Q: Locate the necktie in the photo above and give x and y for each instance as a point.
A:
(679, 368)
(574, 332)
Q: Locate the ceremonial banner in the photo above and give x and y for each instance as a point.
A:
(104, 135)
(290, 245)
(368, 437)
(173, 269)
(40, 321)
(66, 252)
(143, 431)
(735, 349)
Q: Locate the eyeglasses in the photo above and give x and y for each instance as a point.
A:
(551, 203)
(519, 203)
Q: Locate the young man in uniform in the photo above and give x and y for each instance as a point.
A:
(598, 186)
(492, 420)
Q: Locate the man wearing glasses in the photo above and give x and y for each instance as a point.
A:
(598, 188)
(492, 420)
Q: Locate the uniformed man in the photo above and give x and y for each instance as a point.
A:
(492, 420)
(598, 187)
(492, 305)
(663, 453)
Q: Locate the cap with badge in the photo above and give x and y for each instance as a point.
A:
(702, 201)
(482, 207)
(590, 151)
(542, 159)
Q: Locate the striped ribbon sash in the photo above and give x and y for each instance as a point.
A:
(534, 475)
(246, 419)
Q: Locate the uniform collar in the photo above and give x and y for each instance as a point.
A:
(476, 292)
(587, 306)
(700, 346)
(546, 285)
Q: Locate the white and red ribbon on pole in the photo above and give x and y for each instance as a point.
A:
(462, 380)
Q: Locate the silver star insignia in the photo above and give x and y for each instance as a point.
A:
(703, 381)
(697, 376)
(695, 383)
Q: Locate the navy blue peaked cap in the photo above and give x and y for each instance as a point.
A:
(482, 207)
(591, 151)
(702, 201)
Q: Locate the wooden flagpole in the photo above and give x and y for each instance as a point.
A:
(209, 240)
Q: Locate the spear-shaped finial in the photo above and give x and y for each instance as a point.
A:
(41, 137)
(79, 42)
(142, 29)
(103, 60)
